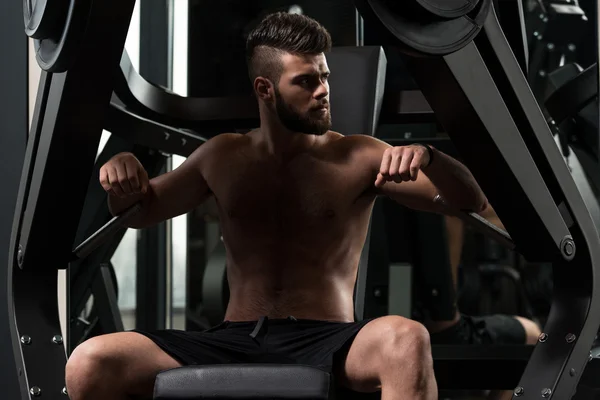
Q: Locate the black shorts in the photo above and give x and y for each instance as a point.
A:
(320, 344)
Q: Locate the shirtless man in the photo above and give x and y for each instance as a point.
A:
(294, 200)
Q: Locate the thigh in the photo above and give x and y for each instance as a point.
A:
(132, 360)
(372, 351)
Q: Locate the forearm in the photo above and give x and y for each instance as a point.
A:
(116, 205)
(455, 183)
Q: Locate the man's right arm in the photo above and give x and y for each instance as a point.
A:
(163, 197)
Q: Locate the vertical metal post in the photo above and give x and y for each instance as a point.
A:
(154, 255)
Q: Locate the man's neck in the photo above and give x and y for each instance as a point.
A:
(279, 140)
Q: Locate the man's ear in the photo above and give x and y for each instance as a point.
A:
(263, 88)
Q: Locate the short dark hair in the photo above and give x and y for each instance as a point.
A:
(280, 33)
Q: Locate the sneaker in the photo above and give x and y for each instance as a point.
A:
(489, 329)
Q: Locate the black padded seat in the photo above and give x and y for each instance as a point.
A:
(244, 382)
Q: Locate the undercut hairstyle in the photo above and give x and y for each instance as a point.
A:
(281, 33)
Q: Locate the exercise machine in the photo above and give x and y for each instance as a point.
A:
(480, 96)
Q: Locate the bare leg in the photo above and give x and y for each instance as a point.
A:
(118, 366)
(392, 354)
(455, 230)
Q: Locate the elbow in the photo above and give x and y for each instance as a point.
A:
(481, 203)
(476, 203)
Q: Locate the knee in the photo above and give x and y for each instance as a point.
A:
(85, 364)
(406, 342)
(532, 330)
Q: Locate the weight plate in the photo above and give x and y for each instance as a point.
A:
(44, 18)
(424, 33)
(449, 8)
(56, 26)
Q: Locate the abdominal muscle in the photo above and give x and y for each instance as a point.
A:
(293, 282)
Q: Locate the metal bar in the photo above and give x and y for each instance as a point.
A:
(155, 66)
(105, 301)
(109, 229)
(154, 46)
(487, 228)
(151, 269)
(153, 243)
(153, 135)
(512, 19)
(14, 125)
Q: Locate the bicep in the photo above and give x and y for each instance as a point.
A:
(178, 191)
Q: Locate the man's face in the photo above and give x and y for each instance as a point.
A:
(302, 95)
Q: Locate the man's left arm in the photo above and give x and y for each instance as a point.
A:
(418, 176)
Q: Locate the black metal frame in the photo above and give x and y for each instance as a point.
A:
(83, 272)
(14, 120)
(553, 33)
(152, 248)
(65, 134)
(483, 100)
(512, 20)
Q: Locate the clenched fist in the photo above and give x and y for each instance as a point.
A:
(402, 163)
(123, 176)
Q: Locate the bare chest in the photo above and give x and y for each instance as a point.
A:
(306, 192)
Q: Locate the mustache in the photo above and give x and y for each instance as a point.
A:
(324, 104)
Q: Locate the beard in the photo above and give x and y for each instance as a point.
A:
(310, 123)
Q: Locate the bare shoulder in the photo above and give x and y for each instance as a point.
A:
(354, 146)
(218, 145)
(225, 141)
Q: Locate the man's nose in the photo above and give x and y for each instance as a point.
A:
(322, 91)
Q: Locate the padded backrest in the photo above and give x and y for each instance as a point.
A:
(356, 88)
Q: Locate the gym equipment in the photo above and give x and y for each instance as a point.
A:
(555, 29)
(425, 33)
(568, 99)
(249, 381)
(448, 8)
(482, 99)
(85, 277)
(572, 107)
(69, 115)
(530, 188)
(511, 14)
(56, 27)
(109, 229)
